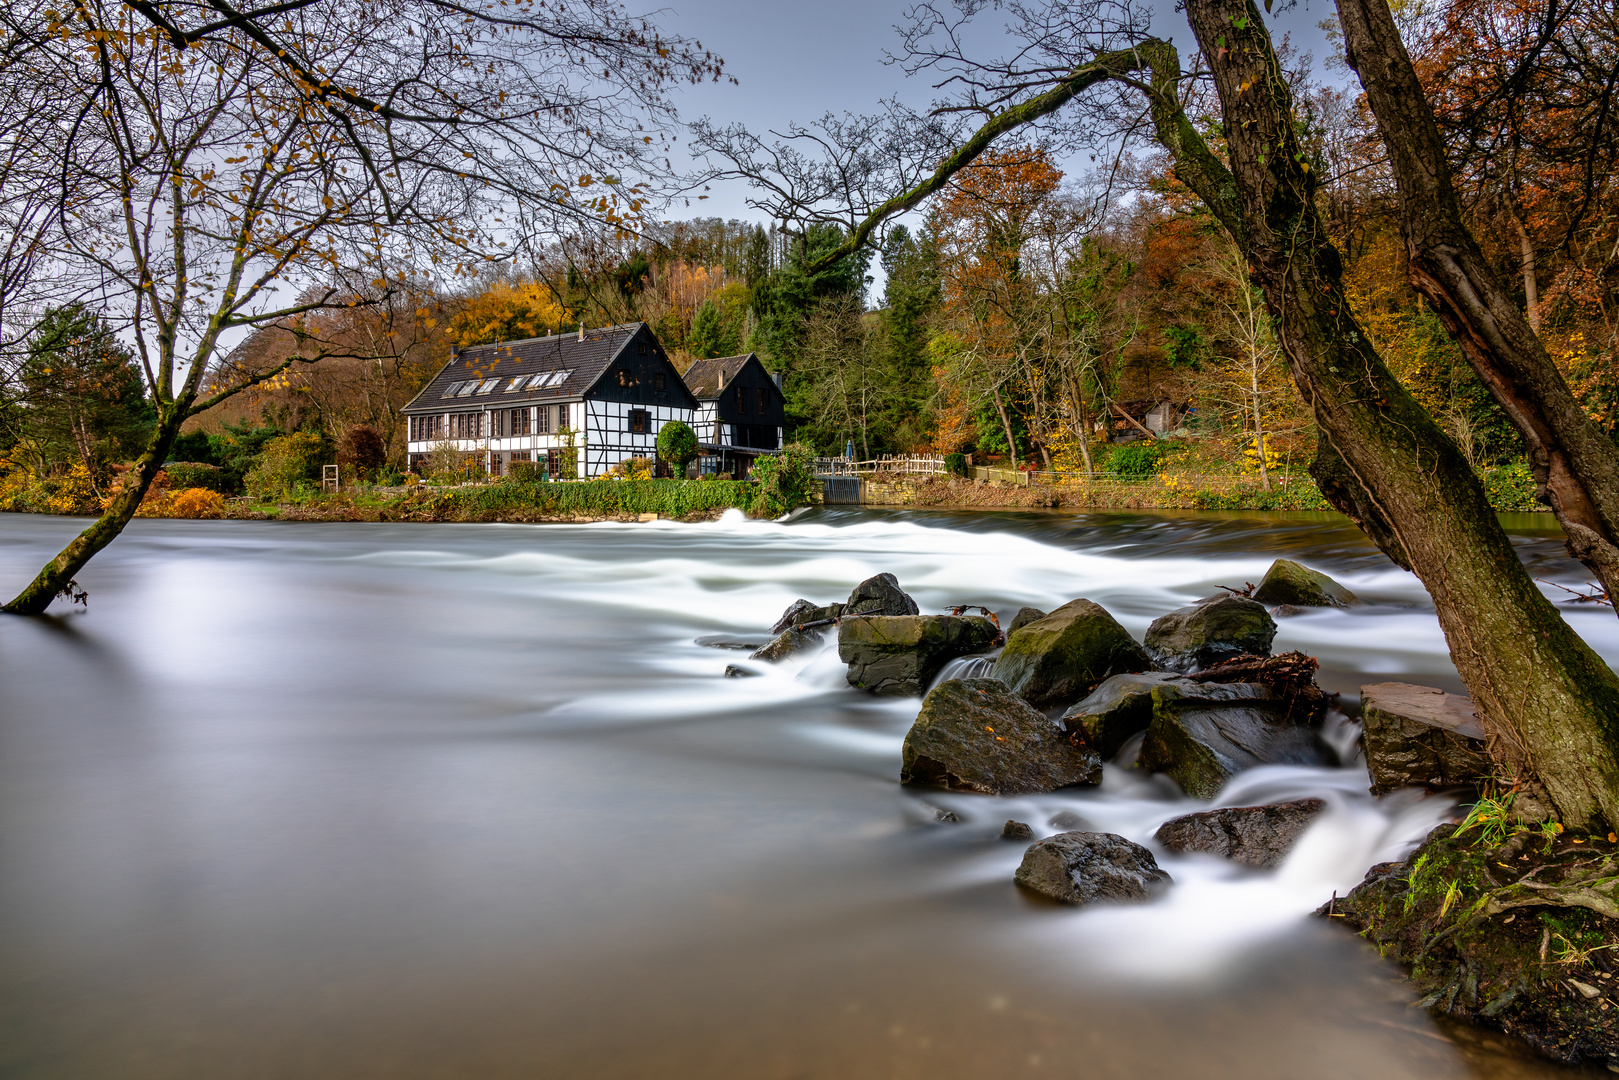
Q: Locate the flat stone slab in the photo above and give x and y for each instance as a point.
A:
(898, 655)
(1421, 736)
(1258, 836)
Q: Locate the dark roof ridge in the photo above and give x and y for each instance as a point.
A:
(565, 335)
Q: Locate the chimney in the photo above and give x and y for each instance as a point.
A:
(581, 329)
(776, 378)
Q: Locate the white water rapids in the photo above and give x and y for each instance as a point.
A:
(421, 801)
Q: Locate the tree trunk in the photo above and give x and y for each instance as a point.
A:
(59, 571)
(1575, 463)
(1550, 704)
(1006, 423)
(1526, 266)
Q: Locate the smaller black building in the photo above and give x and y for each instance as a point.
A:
(741, 410)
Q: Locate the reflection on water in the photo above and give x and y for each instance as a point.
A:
(424, 801)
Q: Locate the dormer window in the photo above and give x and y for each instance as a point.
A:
(488, 386)
(467, 388)
(516, 384)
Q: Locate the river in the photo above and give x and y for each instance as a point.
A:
(412, 801)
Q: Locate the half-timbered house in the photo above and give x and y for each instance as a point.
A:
(594, 397)
(741, 412)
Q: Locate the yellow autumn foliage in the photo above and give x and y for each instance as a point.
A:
(508, 311)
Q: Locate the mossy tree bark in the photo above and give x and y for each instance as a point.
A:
(1574, 462)
(1551, 705)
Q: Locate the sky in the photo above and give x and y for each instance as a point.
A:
(796, 61)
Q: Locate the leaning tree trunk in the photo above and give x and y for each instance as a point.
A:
(54, 578)
(1575, 463)
(1551, 705)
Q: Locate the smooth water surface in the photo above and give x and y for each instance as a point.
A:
(418, 801)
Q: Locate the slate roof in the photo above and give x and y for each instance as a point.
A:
(584, 361)
(706, 379)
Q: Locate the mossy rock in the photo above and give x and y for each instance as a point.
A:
(898, 655)
(1532, 960)
(1061, 657)
(1024, 616)
(1420, 736)
(1288, 582)
(1192, 638)
(976, 735)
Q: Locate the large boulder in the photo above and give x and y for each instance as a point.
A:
(1061, 657)
(976, 735)
(1202, 737)
(1420, 736)
(800, 612)
(1288, 582)
(1116, 710)
(880, 595)
(898, 655)
(1258, 836)
(1192, 638)
(1090, 867)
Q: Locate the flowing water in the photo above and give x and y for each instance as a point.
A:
(416, 801)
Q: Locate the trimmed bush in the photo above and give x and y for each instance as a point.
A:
(588, 498)
(677, 445)
(955, 464)
(196, 474)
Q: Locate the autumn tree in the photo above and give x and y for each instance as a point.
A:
(213, 169)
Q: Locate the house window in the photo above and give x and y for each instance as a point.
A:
(660, 382)
(764, 401)
(515, 422)
(640, 420)
(542, 420)
(553, 462)
(741, 399)
(562, 417)
(640, 347)
(488, 386)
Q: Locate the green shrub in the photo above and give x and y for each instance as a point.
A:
(955, 464)
(590, 498)
(286, 464)
(525, 472)
(195, 474)
(787, 480)
(1511, 488)
(1136, 459)
(677, 445)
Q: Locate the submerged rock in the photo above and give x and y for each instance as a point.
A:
(976, 735)
(1089, 867)
(1016, 830)
(1252, 835)
(880, 595)
(1420, 736)
(1202, 738)
(734, 672)
(1061, 657)
(898, 655)
(1194, 637)
(1024, 617)
(1288, 582)
(1119, 708)
(786, 644)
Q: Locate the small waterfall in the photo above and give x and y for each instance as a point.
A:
(965, 667)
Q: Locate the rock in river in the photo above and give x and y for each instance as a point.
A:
(1060, 657)
(1024, 616)
(1252, 835)
(800, 612)
(1420, 736)
(1091, 867)
(786, 644)
(1119, 708)
(1192, 638)
(880, 595)
(1288, 582)
(898, 655)
(976, 735)
(1201, 738)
